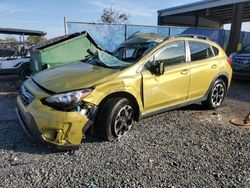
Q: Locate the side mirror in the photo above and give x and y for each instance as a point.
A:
(156, 68)
(159, 69)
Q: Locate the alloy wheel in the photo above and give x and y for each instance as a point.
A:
(217, 95)
(124, 120)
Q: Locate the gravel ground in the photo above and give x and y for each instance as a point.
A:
(189, 147)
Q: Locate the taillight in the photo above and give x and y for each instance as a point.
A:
(230, 61)
(230, 58)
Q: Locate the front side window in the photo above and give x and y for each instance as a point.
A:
(173, 54)
(200, 51)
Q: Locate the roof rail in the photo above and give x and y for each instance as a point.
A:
(137, 33)
(190, 36)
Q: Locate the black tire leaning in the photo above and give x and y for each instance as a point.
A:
(24, 73)
(210, 99)
(107, 115)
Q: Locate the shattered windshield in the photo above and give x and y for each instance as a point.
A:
(133, 52)
(101, 58)
(123, 57)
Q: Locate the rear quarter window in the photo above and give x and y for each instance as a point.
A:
(200, 51)
(216, 51)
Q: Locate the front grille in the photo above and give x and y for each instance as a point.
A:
(242, 61)
(25, 96)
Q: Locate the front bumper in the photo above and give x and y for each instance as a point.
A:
(33, 133)
(64, 130)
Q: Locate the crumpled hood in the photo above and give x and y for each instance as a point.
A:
(73, 77)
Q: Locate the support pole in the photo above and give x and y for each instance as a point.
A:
(196, 21)
(126, 32)
(65, 26)
(235, 28)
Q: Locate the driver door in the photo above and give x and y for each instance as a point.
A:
(170, 88)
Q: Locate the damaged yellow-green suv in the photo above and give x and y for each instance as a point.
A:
(146, 75)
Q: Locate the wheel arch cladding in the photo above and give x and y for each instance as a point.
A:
(124, 94)
(224, 78)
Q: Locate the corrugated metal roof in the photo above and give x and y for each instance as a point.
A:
(197, 6)
(21, 32)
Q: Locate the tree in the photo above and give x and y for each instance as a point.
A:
(110, 16)
(35, 39)
(9, 39)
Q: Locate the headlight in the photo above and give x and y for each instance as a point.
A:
(69, 99)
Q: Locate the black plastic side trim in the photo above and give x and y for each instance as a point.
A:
(172, 108)
(212, 83)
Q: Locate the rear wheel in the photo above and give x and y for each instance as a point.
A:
(115, 119)
(216, 94)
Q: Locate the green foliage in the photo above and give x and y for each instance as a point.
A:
(35, 39)
(8, 39)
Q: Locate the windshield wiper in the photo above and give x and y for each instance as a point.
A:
(97, 63)
(102, 64)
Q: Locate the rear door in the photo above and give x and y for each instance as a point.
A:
(204, 68)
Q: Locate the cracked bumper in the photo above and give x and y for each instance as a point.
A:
(63, 130)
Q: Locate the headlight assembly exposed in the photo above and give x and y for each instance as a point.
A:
(69, 99)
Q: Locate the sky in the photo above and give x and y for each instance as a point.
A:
(48, 15)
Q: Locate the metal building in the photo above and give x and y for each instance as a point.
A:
(211, 14)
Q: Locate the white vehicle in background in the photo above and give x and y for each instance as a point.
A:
(14, 57)
(16, 66)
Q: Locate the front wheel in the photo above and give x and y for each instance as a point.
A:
(216, 94)
(115, 119)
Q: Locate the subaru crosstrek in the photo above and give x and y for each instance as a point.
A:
(146, 75)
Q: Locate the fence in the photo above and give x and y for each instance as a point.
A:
(110, 36)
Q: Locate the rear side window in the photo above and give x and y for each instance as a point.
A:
(200, 51)
(216, 51)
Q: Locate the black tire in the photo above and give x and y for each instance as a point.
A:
(24, 74)
(112, 114)
(216, 95)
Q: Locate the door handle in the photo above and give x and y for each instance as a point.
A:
(185, 71)
(214, 66)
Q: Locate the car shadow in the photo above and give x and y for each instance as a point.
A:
(9, 83)
(13, 138)
(194, 107)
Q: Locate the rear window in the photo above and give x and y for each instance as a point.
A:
(200, 51)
